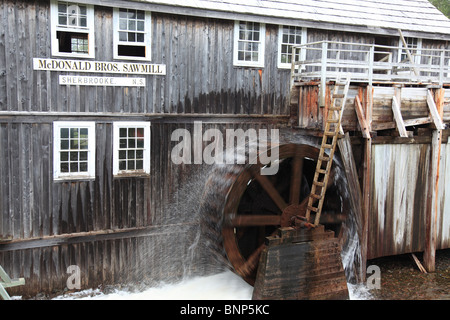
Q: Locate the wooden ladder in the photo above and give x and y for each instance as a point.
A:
(330, 135)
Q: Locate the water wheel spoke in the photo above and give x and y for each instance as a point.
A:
(296, 180)
(255, 220)
(250, 265)
(270, 189)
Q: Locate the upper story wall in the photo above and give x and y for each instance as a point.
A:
(198, 54)
(201, 76)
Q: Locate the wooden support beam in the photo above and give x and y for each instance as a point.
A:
(398, 115)
(361, 118)
(429, 255)
(435, 114)
(366, 187)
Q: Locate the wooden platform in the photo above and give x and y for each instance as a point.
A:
(301, 265)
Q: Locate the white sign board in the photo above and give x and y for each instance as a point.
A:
(99, 66)
(102, 81)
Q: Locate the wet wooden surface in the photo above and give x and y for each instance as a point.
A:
(301, 265)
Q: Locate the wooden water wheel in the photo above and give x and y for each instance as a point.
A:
(243, 207)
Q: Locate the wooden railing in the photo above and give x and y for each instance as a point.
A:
(371, 63)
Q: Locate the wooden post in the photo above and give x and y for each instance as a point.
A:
(366, 189)
(429, 255)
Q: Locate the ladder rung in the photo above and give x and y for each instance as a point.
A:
(329, 133)
(316, 196)
(319, 184)
(335, 108)
(332, 120)
(324, 158)
(338, 95)
(327, 146)
(313, 209)
(322, 171)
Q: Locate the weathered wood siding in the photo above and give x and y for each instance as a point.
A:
(198, 54)
(400, 176)
(116, 229)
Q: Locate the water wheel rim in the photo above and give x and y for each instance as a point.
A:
(246, 267)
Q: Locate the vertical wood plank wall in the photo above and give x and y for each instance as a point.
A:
(200, 81)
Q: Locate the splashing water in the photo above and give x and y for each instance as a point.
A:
(221, 286)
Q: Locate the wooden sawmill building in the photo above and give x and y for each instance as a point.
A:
(91, 92)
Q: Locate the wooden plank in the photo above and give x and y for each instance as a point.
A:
(429, 255)
(437, 119)
(361, 118)
(398, 117)
(255, 220)
(366, 187)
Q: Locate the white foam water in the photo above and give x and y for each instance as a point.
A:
(222, 286)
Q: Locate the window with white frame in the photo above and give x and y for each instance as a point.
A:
(72, 29)
(132, 36)
(131, 148)
(249, 42)
(414, 47)
(289, 36)
(73, 150)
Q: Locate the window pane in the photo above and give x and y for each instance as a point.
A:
(64, 144)
(64, 156)
(64, 133)
(73, 144)
(139, 154)
(123, 143)
(123, 24)
(83, 156)
(131, 165)
(140, 37)
(122, 165)
(62, 7)
(62, 20)
(139, 165)
(83, 132)
(140, 15)
(74, 132)
(123, 36)
(122, 132)
(74, 156)
(83, 167)
(131, 36)
(83, 22)
(122, 154)
(74, 167)
(123, 13)
(131, 154)
(83, 144)
(140, 143)
(64, 167)
(131, 143)
(140, 26)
